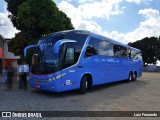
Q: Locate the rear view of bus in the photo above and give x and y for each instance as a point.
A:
(77, 59)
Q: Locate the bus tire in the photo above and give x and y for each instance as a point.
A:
(83, 85)
(134, 76)
(89, 81)
(130, 77)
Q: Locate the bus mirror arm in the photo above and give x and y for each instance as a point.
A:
(59, 43)
(28, 47)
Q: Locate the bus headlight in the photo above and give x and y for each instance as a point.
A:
(51, 79)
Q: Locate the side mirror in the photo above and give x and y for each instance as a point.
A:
(28, 47)
(59, 43)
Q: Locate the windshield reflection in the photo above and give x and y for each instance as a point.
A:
(44, 60)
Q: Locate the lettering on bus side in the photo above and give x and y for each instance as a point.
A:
(71, 70)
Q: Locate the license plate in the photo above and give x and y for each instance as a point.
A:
(38, 86)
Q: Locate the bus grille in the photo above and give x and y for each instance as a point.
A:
(39, 81)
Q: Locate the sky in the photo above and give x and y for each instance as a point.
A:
(122, 20)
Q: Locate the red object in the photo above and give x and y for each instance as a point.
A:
(38, 86)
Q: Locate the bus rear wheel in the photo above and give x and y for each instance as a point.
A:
(134, 76)
(130, 77)
(83, 85)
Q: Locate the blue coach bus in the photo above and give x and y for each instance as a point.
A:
(79, 59)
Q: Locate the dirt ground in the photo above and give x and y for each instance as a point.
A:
(141, 95)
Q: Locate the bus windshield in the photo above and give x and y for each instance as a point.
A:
(45, 60)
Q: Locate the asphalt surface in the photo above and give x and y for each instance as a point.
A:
(141, 95)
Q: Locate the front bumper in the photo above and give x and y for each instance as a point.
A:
(53, 86)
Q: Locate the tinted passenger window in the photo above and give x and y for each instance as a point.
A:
(105, 48)
(99, 47)
(90, 51)
(136, 55)
(128, 53)
(120, 51)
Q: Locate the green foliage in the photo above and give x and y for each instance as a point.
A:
(12, 7)
(34, 18)
(41, 17)
(150, 48)
(17, 44)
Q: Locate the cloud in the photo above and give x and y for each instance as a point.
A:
(82, 16)
(84, 1)
(92, 10)
(130, 1)
(69, 0)
(151, 25)
(73, 13)
(148, 28)
(139, 1)
(6, 27)
(135, 1)
(148, 13)
(101, 9)
(90, 25)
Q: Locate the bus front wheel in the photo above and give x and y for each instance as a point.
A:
(83, 85)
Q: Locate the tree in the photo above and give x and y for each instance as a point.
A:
(12, 7)
(41, 17)
(150, 48)
(34, 18)
(17, 44)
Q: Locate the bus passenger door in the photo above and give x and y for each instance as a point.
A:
(68, 72)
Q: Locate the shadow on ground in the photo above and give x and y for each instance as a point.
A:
(123, 86)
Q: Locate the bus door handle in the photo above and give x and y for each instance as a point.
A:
(80, 66)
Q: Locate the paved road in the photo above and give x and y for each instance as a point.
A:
(142, 95)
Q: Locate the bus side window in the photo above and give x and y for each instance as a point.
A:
(105, 48)
(92, 48)
(118, 51)
(139, 56)
(136, 55)
(121, 51)
(128, 53)
(90, 51)
(99, 47)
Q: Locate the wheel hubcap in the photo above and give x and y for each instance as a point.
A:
(130, 77)
(86, 84)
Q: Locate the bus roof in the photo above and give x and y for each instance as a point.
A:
(92, 34)
(66, 31)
